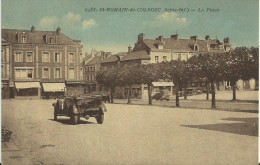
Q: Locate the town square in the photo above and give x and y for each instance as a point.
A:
(142, 82)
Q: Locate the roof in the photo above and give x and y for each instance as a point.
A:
(111, 58)
(161, 84)
(180, 45)
(36, 37)
(136, 55)
(94, 60)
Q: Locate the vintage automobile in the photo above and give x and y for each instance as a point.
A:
(82, 106)
(161, 96)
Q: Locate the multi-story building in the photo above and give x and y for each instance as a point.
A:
(92, 65)
(162, 49)
(42, 63)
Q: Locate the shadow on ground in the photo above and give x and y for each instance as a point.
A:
(68, 122)
(246, 126)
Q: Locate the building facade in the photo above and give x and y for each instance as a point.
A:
(42, 63)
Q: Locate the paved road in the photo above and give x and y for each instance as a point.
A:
(131, 134)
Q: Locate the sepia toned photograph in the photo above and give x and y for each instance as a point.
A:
(119, 82)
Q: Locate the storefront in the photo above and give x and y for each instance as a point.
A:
(53, 90)
(27, 89)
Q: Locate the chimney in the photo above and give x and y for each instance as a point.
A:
(58, 30)
(207, 37)
(226, 40)
(129, 48)
(161, 38)
(176, 36)
(194, 38)
(32, 29)
(141, 37)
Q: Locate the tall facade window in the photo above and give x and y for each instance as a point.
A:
(3, 55)
(29, 56)
(24, 38)
(164, 58)
(157, 59)
(57, 57)
(18, 56)
(24, 73)
(80, 57)
(46, 73)
(81, 73)
(45, 57)
(57, 73)
(179, 56)
(71, 73)
(71, 57)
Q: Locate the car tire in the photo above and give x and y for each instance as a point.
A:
(100, 118)
(74, 118)
(55, 116)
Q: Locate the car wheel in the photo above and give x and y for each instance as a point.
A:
(55, 116)
(74, 118)
(100, 118)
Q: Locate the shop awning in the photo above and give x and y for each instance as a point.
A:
(25, 85)
(162, 84)
(53, 87)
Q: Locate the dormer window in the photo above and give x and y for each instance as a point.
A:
(24, 38)
(51, 40)
(160, 46)
(196, 48)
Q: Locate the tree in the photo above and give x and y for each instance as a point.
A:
(150, 73)
(109, 79)
(210, 66)
(129, 76)
(174, 71)
(232, 69)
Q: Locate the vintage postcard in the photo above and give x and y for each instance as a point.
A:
(117, 82)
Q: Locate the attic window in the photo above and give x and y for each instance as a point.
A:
(160, 46)
(23, 39)
(196, 48)
(51, 40)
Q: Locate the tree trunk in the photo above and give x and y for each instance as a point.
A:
(233, 85)
(207, 91)
(149, 94)
(213, 101)
(185, 93)
(129, 94)
(177, 96)
(112, 95)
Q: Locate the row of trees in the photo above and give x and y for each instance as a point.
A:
(241, 63)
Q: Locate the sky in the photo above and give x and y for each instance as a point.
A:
(113, 31)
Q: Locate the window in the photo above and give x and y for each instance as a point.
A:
(45, 57)
(29, 56)
(57, 73)
(196, 48)
(18, 56)
(203, 84)
(80, 57)
(46, 73)
(156, 58)
(23, 39)
(57, 57)
(179, 56)
(164, 58)
(71, 57)
(71, 73)
(194, 84)
(51, 40)
(24, 73)
(81, 74)
(3, 55)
